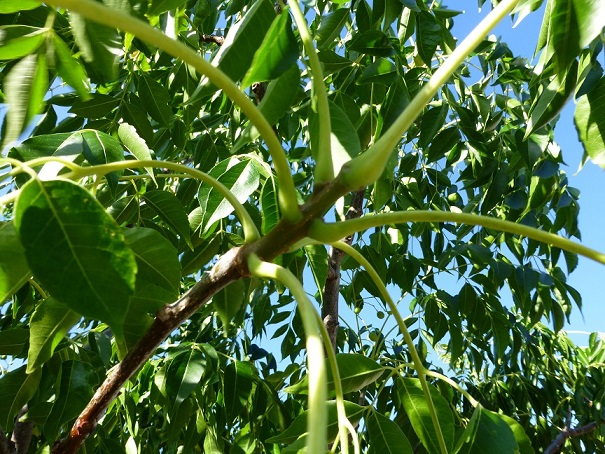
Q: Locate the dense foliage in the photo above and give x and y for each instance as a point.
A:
(163, 226)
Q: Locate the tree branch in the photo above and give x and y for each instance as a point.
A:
(331, 290)
(229, 268)
(22, 433)
(568, 432)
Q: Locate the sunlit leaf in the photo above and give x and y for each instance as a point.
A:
(76, 250)
(14, 270)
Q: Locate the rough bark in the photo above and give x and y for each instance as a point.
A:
(568, 432)
(331, 290)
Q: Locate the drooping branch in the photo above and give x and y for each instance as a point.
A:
(331, 290)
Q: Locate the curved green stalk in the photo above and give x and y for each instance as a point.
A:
(317, 422)
(250, 231)
(343, 421)
(97, 12)
(324, 168)
(454, 385)
(367, 167)
(420, 369)
(328, 233)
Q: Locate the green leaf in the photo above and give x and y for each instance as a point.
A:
(269, 204)
(429, 35)
(332, 62)
(14, 270)
(13, 6)
(158, 270)
(137, 146)
(158, 7)
(193, 261)
(75, 386)
(298, 427)
(237, 387)
(17, 41)
(100, 148)
(100, 45)
(244, 38)
(524, 444)
(372, 42)
(381, 71)
(51, 321)
(416, 407)
(25, 86)
(98, 106)
(590, 122)
(12, 340)
(318, 261)
(70, 69)
(386, 436)
(228, 301)
(169, 208)
(76, 250)
(240, 177)
(487, 432)
(344, 139)
(330, 26)
(16, 389)
(277, 53)
(156, 99)
(183, 374)
(356, 372)
(278, 98)
(551, 101)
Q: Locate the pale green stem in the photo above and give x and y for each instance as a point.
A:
(327, 233)
(418, 365)
(250, 231)
(324, 169)
(367, 167)
(97, 12)
(343, 422)
(454, 385)
(317, 417)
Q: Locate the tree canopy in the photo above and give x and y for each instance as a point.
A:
(255, 226)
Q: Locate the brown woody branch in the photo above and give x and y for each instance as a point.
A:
(568, 432)
(331, 290)
(230, 267)
(212, 39)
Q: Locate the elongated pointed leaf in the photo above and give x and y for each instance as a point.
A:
(239, 379)
(330, 26)
(12, 341)
(488, 432)
(168, 207)
(270, 204)
(428, 36)
(137, 146)
(75, 387)
(51, 321)
(241, 177)
(25, 87)
(417, 408)
(17, 41)
(318, 261)
(70, 69)
(183, 374)
(356, 372)
(13, 6)
(76, 250)
(228, 301)
(156, 99)
(14, 270)
(278, 51)
(161, 6)
(158, 270)
(590, 122)
(16, 389)
(100, 45)
(298, 427)
(386, 436)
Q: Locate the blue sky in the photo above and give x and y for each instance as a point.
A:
(522, 41)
